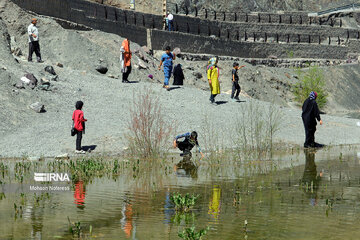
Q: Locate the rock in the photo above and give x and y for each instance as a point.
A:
(197, 75)
(142, 65)
(111, 76)
(34, 158)
(18, 52)
(30, 79)
(20, 85)
(176, 51)
(62, 156)
(272, 57)
(102, 69)
(44, 81)
(37, 107)
(59, 64)
(50, 70)
(146, 49)
(12, 43)
(55, 78)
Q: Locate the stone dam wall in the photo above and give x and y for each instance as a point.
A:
(251, 39)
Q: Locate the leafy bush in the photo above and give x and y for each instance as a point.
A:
(191, 234)
(183, 203)
(148, 131)
(311, 80)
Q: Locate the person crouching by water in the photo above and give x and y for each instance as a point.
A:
(311, 113)
(189, 142)
(213, 78)
(79, 125)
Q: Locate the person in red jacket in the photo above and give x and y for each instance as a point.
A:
(79, 125)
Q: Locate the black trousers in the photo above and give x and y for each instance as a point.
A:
(185, 146)
(309, 135)
(235, 90)
(126, 74)
(212, 97)
(34, 47)
(78, 140)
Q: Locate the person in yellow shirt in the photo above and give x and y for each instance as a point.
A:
(213, 78)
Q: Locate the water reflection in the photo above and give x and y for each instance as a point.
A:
(215, 202)
(186, 168)
(79, 194)
(311, 179)
(127, 219)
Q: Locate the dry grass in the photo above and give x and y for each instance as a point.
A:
(149, 132)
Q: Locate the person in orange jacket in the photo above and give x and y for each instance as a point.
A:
(125, 60)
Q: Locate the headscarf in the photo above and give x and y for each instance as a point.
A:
(313, 95)
(212, 62)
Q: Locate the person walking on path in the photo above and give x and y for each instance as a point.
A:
(125, 60)
(79, 125)
(189, 142)
(213, 78)
(311, 113)
(235, 82)
(33, 35)
(167, 59)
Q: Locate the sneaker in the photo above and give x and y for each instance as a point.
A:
(80, 152)
(40, 61)
(237, 98)
(125, 81)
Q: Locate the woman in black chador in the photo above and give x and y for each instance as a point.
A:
(178, 75)
(311, 113)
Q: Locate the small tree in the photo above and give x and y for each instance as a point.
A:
(311, 80)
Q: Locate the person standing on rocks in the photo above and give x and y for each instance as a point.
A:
(34, 46)
(235, 81)
(125, 60)
(213, 78)
(311, 113)
(167, 59)
(79, 125)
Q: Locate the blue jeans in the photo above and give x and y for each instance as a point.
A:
(170, 25)
(167, 73)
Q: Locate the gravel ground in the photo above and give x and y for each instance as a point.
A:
(107, 100)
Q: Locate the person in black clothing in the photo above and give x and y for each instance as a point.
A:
(189, 142)
(235, 80)
(178, 75)
(310, 113)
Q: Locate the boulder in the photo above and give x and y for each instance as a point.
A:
(30, 80)
(102, 69)
(19, 85)
(37, 107)
(146, 49)
(142, 65)
(50, 70)
(59, 64)
(198, 75)
(55, 78)
(176, 51)
(18, 52)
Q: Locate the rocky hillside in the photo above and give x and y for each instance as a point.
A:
(155, 6)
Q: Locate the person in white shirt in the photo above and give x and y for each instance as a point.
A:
(34, 46)
(170, 18)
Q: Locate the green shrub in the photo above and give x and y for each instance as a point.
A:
(191, 234)
(183, 203)
(311, 80)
